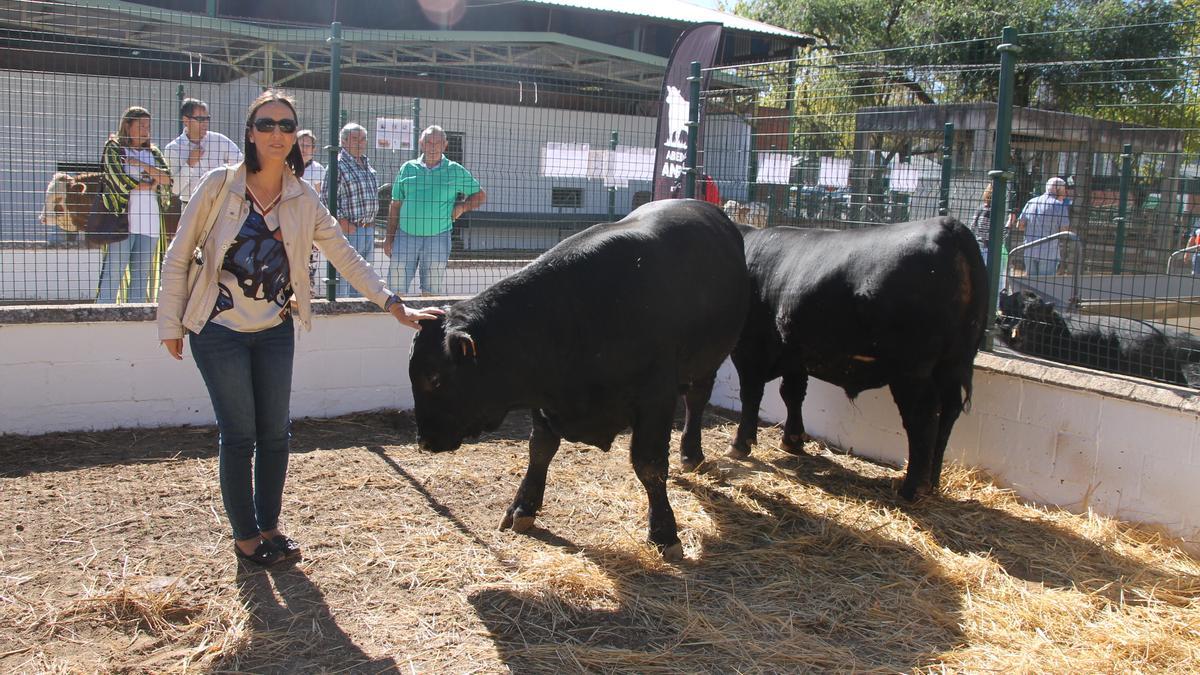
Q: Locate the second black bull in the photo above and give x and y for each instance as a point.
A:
(902, 305)
(601, 333)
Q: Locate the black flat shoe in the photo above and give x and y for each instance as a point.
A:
(265, 555)
(286, 546)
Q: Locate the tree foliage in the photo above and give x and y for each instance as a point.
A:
(1075, 54)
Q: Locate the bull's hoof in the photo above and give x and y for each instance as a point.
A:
(911, 493)
(673, 553)
(739, 450)
(793, 444)
(516, 523)
(690, 464)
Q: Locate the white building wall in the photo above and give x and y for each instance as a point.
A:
(1055, 435)
(47, 118)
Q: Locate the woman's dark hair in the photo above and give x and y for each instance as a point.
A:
(131, 113)
(295, 160)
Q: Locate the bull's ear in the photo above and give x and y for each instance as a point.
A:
(461, 346)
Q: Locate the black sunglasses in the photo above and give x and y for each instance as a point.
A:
(200, 118)
(266, 125)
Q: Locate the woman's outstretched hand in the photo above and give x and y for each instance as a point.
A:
(411, 317)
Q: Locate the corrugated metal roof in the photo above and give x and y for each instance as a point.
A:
(674, 10)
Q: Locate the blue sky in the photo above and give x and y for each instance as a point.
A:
(711, 4)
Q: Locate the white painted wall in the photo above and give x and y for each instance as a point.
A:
(1056, 435)
(123, 378)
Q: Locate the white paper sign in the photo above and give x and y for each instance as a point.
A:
(565, 160)
(393, 134)
(834, 172)
(904, 178)
(775, 168)
(631, 163)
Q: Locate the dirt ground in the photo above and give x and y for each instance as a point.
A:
(114, 556)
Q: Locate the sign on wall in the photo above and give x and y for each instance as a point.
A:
(393, 133)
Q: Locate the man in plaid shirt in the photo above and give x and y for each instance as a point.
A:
(357, 198)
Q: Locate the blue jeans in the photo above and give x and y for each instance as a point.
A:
(363, 241)
(1040, 267)
(430, 254)
(135, 254)
(249, 380)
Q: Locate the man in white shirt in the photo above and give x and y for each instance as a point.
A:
(197, 150)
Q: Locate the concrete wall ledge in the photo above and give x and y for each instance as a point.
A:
(77, 313)
(1077, 378)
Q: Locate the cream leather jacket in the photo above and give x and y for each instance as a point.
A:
(302, 220)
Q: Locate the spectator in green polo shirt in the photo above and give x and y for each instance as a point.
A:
(429, 194)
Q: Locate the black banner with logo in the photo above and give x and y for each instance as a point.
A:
(698, 43)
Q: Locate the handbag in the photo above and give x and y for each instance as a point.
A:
(197, 259)
(171, 216)
(103, 227)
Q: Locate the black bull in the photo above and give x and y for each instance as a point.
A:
(601, 333)
(902, 305)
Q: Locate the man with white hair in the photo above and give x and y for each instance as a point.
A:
(1043, 216)
(429, 194)
(357, 196)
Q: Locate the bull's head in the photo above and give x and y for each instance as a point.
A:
(452, 400)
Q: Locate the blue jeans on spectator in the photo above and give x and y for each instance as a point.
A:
(136, 253)
(428, 254)
(363, 241)
(1040, 267)
(249, 380)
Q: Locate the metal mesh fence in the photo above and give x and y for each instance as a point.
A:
(866, 139)
(557, 138)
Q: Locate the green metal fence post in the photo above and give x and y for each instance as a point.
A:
(179, 95)
(1000, 174)
(335, 106)
(416, 113)
(947, 169)
(211, 8)
(1123, 207)
(612, 190)
(693, 127)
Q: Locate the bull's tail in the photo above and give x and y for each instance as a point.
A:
(971, 274)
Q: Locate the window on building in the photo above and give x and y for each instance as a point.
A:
(566, 198)
(454, 146)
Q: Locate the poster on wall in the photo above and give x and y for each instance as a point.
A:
(393, 134)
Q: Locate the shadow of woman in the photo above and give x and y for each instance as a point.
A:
(774, 587)
(295, 632)
(1029, 548)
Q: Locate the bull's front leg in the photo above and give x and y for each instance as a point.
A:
(543, 445)
(792, 390)
(649, 449)
(750, 389)
(694, 399)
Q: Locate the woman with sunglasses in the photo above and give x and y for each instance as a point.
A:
(251, 270)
